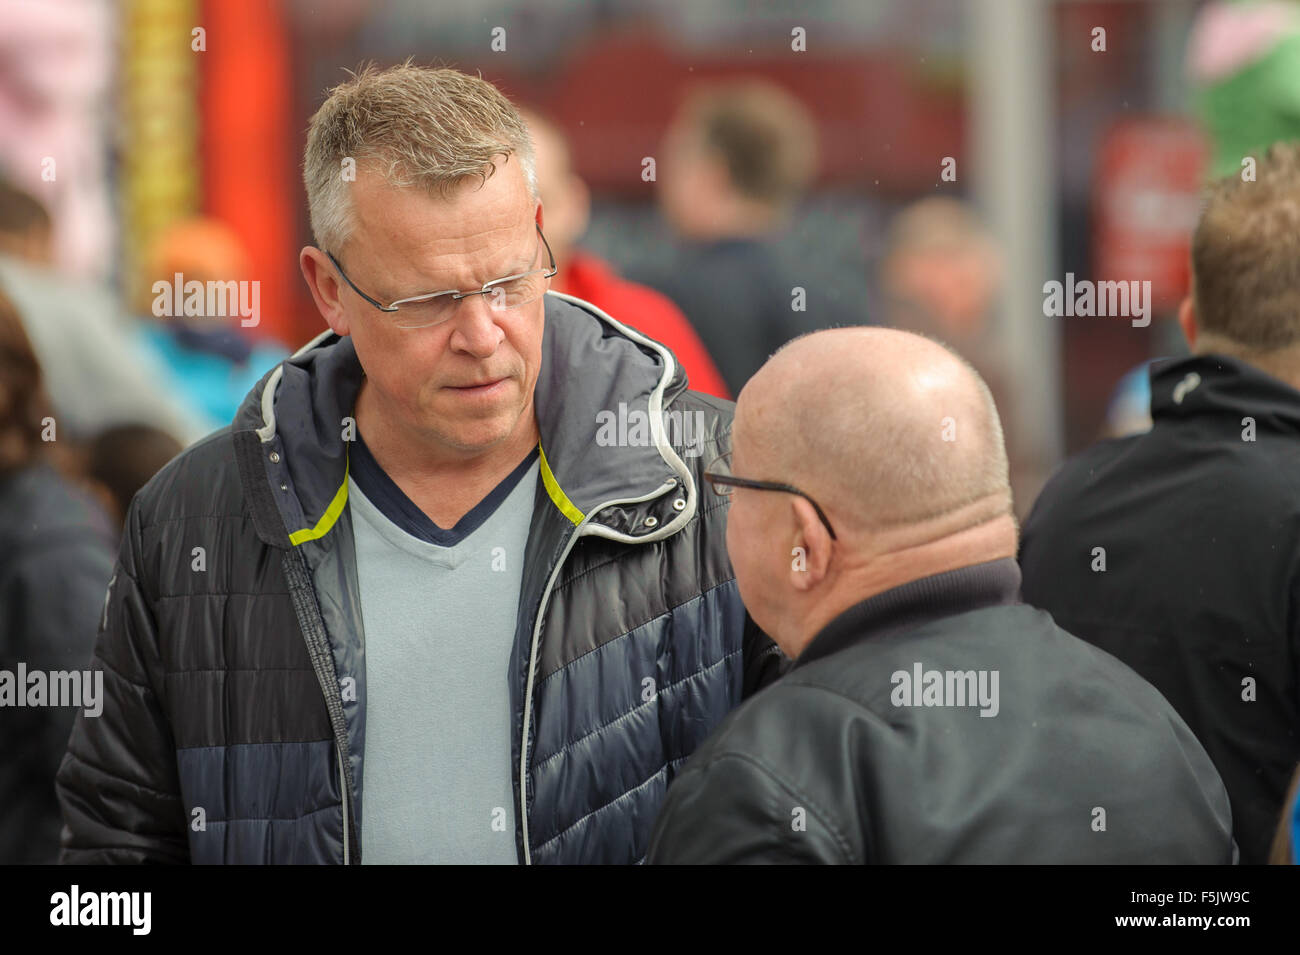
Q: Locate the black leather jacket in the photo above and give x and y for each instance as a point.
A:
(1069, 757)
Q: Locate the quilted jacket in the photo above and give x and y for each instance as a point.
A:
(233, 640)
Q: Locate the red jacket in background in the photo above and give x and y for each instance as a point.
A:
(647, 311)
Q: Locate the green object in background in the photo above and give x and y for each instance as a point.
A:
(1258, 105)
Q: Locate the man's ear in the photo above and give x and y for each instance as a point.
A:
(326, 289)
(810, 555)
(1187, 321)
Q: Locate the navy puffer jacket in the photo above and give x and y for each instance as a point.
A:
(226, 736)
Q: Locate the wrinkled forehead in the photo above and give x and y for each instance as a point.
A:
(478, 232)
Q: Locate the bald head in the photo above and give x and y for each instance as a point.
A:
(887, 430)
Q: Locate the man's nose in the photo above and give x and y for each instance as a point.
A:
(476, 329)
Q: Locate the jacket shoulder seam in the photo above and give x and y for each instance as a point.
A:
(794, 680)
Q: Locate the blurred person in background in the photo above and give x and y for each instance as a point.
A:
(736, 159)
(907, 556)
(567, 202)
(1176, 550)
(95, 373)
(121, 460)
(55, 562)
(211, 361)
(941, 276)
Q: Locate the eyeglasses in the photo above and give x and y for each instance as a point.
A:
(434, 308)
(724, 482)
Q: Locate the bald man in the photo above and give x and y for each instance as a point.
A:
(929, 716)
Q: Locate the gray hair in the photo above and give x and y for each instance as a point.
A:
(414, 126)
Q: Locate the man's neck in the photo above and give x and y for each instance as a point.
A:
(445, 485)
(992, 540)
(1281, 363)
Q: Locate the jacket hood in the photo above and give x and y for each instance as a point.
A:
(592, 367)
(1222, 385)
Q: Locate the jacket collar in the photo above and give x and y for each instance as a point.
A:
(591, 363)
(996, 582)
(1222, 385)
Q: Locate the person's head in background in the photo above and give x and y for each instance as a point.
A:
(1245, 298)
(736, 158)
(198, 249)
(120, 460)
(24, 406)
(566, 200)
(816, 417)
(26, 231)
(941, 270)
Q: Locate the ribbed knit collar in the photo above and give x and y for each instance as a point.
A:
(917, 602)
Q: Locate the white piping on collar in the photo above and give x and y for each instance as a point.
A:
(267, 431)
(670, 456)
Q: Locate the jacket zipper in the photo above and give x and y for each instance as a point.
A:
(343, 788)
(532, 657)
(298, 578)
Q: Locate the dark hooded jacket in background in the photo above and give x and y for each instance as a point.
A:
(1178, 551)
(56, 556)
(223, 686)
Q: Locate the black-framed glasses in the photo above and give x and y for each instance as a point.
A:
(724, 482)
(434, 308)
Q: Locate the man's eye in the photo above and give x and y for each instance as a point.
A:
(428, 312)
(428, 307)
(508, 294)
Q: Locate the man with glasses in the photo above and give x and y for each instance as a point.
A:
(928, 716)
(408, 607)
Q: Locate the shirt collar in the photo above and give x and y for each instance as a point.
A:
(994, 583)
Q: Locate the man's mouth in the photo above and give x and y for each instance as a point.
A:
(479, 388)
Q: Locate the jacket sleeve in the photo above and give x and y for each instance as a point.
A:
(764, 661)
(730, 810)
(117, 784)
